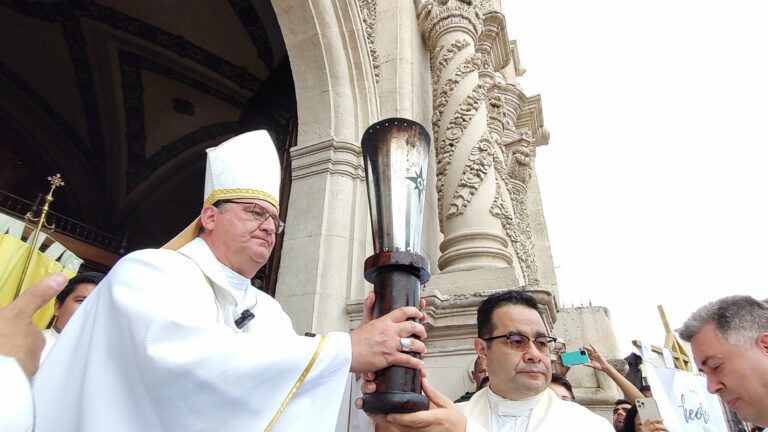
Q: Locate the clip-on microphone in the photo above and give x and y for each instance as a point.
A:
(245, 317)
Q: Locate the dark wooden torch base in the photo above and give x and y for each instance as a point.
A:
(385, 403)
(396, 277)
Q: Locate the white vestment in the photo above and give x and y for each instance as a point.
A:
(15, 397)
(51, 336)
(549, 414)
(155, 348)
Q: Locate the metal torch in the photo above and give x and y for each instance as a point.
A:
(396, 155)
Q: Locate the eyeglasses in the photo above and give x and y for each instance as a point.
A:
(520, 342)
(259, 213)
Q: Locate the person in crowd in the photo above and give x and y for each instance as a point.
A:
(633, 423)
(620, 409)
(597, 361)
(484, 383)
(562, 387)
(557, 362)
(514, 341)
(67, 302)
(178, 339)
(20, 346)
(479, 372)
(729, 341)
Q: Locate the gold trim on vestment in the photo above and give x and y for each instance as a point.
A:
(236, 193)
(296, 386)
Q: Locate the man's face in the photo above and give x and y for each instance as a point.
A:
(619, 414)
(67, 308)
(239, 241)
(480, 371)
(516, 375)
(561, 392)
(738, 373)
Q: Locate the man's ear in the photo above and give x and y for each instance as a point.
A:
(208, 217)
(762, 342)
(481, 347)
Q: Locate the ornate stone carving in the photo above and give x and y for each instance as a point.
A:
(481, 160)
(521, 154)
(524, 246)
(465, 63)
(368, 13)
(444, 55)
(454, 132)
(441, 16)
(514, 171)
(486, 6)
(471, 64)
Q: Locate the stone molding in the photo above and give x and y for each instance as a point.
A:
(516, 67)
(460, 246)
(531, 118)
(452, 322)
(333, 157)
(494, 42)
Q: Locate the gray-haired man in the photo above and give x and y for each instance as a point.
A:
(729, 339)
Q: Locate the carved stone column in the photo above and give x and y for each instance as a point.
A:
(505, 102)
(468, 154)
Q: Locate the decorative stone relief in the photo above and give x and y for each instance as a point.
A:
(454, 132)
(469, 47)
(521, 154)
(481, 160)
(368, 13)
(486, 6)
(440, 16)
(521, 229)
(444, 55)
(514, 171)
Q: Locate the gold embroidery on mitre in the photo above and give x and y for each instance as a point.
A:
(237, 193)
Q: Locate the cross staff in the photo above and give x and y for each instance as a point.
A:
(55, 181)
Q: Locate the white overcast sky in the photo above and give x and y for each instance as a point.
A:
(654, 181)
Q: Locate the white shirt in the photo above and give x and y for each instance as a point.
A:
(508, 415)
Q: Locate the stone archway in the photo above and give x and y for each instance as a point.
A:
(327, 237)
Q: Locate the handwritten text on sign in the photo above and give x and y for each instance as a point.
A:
(684, 403)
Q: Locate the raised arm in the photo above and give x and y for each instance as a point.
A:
(600, 363)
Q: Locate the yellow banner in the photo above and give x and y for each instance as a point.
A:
(13, 253)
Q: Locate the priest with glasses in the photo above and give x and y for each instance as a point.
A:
(512, 339)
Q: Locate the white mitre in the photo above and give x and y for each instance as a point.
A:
(243, 167)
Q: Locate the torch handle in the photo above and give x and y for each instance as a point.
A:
(398, 389)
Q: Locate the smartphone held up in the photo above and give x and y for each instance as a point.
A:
(574, 358)
(647, 409)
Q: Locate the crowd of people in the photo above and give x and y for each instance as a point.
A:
(177, 339)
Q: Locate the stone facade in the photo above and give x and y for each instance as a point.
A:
(448, 64)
